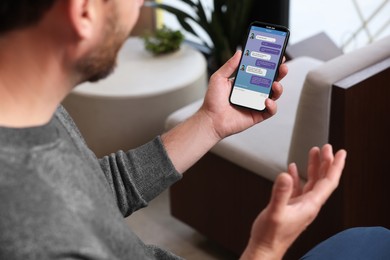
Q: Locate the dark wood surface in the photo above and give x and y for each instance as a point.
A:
(360, 123)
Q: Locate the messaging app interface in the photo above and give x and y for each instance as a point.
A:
(258, 67)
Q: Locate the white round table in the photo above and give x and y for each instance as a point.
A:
(129, 108)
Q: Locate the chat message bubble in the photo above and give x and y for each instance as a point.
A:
(260, 55)
(266, 64)
(272, 45)
(259, 81)
(269, 51)
(265, 38)
(256, 71)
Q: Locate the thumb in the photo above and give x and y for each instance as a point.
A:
(281, 192)
(230, 66)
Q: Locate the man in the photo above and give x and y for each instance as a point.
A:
(58, 201)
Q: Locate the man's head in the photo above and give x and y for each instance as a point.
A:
(90, 32)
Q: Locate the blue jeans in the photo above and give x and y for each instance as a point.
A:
(355, 243)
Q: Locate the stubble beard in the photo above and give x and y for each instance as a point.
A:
(101, 62)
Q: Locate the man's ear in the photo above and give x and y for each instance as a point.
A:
(82, 15)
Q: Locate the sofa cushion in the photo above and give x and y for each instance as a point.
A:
(262, 149)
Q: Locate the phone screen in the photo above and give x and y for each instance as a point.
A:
(261, 57)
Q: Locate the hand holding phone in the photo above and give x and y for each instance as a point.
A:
(261, 57)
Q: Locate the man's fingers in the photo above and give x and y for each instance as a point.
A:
(277, 90)
(271, 108)
(281, 192)
(312, 168)
(282, 72)
(337, 166)
(293, 171)
(324, 187)
(326, 160)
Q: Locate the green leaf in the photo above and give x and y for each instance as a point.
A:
(173, 10)
(226, 27)
(189, 2)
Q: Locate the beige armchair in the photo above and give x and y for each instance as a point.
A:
(344, 101)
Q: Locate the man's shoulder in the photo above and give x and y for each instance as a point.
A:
(66, 121)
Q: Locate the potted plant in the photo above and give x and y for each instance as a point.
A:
(225, 23)
(163, 41)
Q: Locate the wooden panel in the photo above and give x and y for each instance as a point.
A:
(360, 123)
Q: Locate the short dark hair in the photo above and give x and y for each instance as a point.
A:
(16, 14)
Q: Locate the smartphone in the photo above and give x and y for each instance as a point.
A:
(261, 56)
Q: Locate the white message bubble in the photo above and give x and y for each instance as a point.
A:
(260, 55)
(265, 38)
(257, 71)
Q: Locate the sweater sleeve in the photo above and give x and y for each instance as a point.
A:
(139, 175)
(135, 177)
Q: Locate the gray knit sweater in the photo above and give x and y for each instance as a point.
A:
(58, 201)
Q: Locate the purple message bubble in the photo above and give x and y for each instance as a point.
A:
(269, 51)
(259, 81)
(265, 64)
(272, 45)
